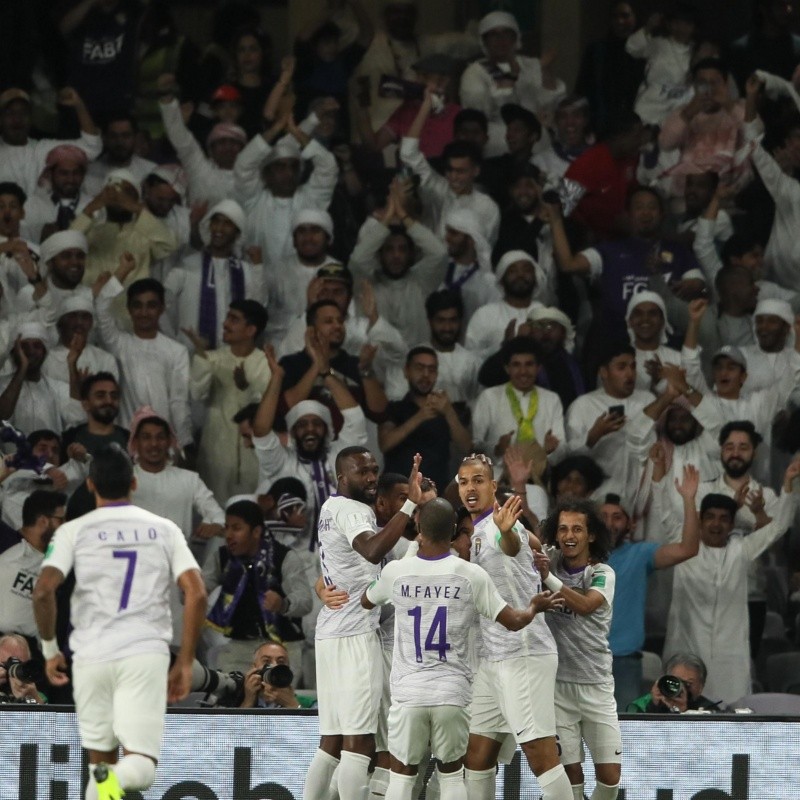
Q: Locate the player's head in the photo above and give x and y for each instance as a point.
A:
(616, 518)
(476, 483)
(462, 539)
(245, 322)
(42, 512)
(392, 493)
(437, 522)
(738, 441)
(111, 475)
(717, 515)
(577, 530)
(100, 397)
(145, 305)
(244, 526)
(357, 474)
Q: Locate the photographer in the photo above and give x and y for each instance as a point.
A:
(269, 683)
(16, 671)
(678, 690)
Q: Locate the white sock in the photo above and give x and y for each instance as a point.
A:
(91, 786)
(480, 783)
(602, 791)
(401, 787)
(318, 777)
(378, 783)
(333, 786)
(135, 771)
(432, 790)
(353, 780)
(452, 785)
(577, 791)
(555, 784)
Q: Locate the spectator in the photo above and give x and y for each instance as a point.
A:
(119, 140)
(690, 670)
(15, 646)
(252, 68)
(504, 76)
(275, 208)
(710, 618)
(14, 250)
(200, 290)
(263, 588)
(403, 260)
(100, 400)
(60, 195)
(155, 369)
(42, 513)
(571, 138)
(22, 159)
(518, 411)
(609, 77)
(646, 317)
(225, 380)
(259, 691)
(423, 422)
(575, 476)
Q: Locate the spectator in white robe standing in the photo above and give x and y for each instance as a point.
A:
(273, 202)
(521, 280)
(155, 368)
(708, 615)
(504, 76)
(200, 290)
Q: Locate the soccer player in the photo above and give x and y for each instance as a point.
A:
(348, 649)
(515, 684)
(125, 560)
(437, 597)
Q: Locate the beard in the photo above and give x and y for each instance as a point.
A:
(361, 496)
(105, 414)
(737, 467)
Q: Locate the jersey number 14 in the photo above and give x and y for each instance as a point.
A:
(436, 640)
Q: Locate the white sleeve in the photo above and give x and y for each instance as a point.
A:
(603, 581)
(206, 506)
(487, 599)
(60, 552)
(595, 261)
(181, 558)
(379, 592)
(353, 519)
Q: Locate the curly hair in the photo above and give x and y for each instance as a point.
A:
(600, 548)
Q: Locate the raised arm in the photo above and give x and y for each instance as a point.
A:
(264, 419)
(668, 555)
(566, 260)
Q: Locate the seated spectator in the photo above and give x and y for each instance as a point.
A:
(609, 77)
(272, 204)
(155, 369)
(519, 411)
(457, 189)
(74, 326)
(209, 177)
(570, 139)
(710, 618)
(668, 51)
(423, 422)
(503, 76)
(60, 195)
(29, 399)
(64, 255)
(119, 140)
(42, 512)
(523, 131)
(128, 227)
(707, 132)
(469, 268)
(202, 287)
(259, 689)
(646, 317)
(690, 673)
(15, 646)
(22, 159)
(226, 380)
(521, 280)
(403, 260)
(263, 588)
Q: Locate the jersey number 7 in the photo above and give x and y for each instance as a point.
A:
(438, 626)
(130, 556)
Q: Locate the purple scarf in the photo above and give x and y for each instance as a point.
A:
(323, 488)
(207, 319)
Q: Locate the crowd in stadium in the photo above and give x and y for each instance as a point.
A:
(236, 266)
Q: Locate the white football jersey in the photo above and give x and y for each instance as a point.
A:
(518, 581)
(436, 603)
(340, 521)
(125, 560)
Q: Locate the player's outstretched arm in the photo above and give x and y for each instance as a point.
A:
(515, 619)
(44, 611)
(191, 584)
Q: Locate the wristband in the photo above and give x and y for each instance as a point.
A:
(553, 583)
(50, 648)
(408, 507)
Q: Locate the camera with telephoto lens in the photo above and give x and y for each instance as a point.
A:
(670, 686)
(221, 688)
(24, 671)
(279, 676)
